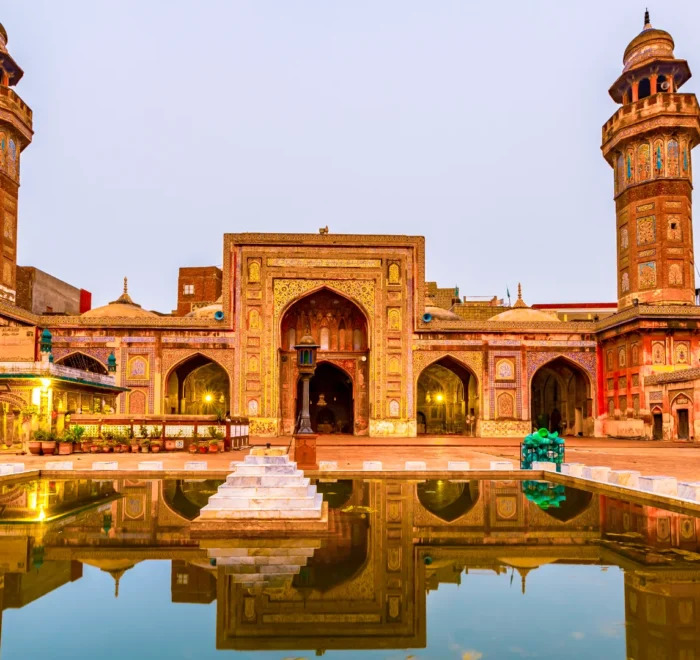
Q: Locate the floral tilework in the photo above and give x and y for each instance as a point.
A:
(675, 274)
(625, 282)
(647, 275)
(646, 230)
(624, 238)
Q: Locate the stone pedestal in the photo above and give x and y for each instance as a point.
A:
(305, 451)
(265, 493)
(659, 485)
(572, 469)
(627, 478)
(596, 473)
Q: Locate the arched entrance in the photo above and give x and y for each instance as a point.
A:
(447, 399)
(561, 398)
(197, 386)
(339, 388)
(331, 402)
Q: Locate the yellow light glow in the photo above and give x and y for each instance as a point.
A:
(45, 382)
(42, 514)
(439, 397)
(208, 398)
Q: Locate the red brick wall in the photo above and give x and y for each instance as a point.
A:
(206, 286)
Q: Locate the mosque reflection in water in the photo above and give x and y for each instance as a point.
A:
(363, 583)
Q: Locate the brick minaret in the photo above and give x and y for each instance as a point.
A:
(648, 143)
(15, 134)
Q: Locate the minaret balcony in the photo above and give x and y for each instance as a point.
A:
(14, 111)
(664, 110)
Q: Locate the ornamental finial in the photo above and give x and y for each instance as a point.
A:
(647, 20)
(520, 302)
(125, 285)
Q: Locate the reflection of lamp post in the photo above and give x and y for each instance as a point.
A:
(304, 437)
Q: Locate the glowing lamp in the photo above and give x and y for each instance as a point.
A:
(208, 398)
(439, 398)
(45, 382)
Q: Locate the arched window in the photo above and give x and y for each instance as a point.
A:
(644, 88)
(325, 338)
(292, 338)
(357, 339)
(341, 335)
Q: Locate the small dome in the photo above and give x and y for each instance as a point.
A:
(307, 340)
(649, 44)
(208, 311)
(122, 307)
(524, 315)
(441, 314)
(521, 313)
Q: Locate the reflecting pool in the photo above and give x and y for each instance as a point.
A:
(467, 570)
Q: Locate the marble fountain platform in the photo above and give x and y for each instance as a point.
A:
(265, 494)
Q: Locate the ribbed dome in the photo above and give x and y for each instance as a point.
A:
(649, 44)
(122, 307)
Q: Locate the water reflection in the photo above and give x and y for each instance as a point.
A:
(363, 583)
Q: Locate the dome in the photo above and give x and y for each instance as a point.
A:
(649, 44)
(208, 311)
(521, 313)
(122, 307)
(441, 314)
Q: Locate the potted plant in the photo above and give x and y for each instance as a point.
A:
(213, 446)
(193, 447)
(135, 446)
(35, 443)
(202, 446)
(145, 446)
(170, 443)
(108, 446)
(85, 444)
(156, 438)
(48, 445)
(218, 437)
(95, 446)
(65, 443)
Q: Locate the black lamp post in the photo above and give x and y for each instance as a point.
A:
(306, 360)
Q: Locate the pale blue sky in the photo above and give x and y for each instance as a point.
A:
(161, 125)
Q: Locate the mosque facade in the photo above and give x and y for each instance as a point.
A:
(399, 356)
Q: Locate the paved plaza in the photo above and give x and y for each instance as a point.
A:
(681, 460)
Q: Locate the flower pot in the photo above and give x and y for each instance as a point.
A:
(125, 448)
(48, 448)
(192, 449)
(155, 448)
(85, 446)
(202, 450)
(213, 449)
(144, 449)
(35, 447)
(170, 445)
(106, 449)
(221, 445)
(94, 449)
(134, 449)
(65, 448)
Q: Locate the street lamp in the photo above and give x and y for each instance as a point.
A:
(306, 361)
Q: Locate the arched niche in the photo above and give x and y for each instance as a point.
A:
(561, 398)
(331, 399)
(447, 398)
(576, 502)
(186, 498)
(197, 386)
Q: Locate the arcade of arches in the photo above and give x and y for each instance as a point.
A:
(448, 399)
(197, 386)
(339, 400)
(561, 398)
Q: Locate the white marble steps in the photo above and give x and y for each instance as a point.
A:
(265, 487)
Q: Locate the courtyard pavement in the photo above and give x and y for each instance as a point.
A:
(678, 459)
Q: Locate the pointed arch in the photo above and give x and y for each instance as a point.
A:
(84, 362)
(209, 390)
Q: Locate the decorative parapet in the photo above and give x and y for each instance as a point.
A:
(673, 376)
